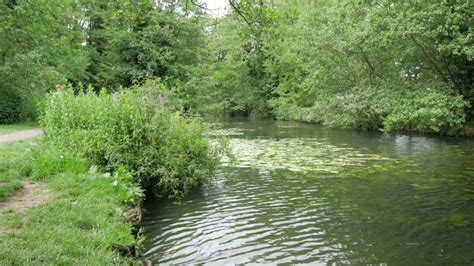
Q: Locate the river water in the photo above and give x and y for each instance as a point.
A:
(299, 193)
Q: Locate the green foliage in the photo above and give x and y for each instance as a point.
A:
(10, 107)
(129, 193)
(424, 111)
(353, 64)
(433, 112)
(316, 61)
(131, 41)
(40, 47)
(239, 81)
(100, 43)
(165, 151)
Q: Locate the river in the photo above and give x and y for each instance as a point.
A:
(300, 193)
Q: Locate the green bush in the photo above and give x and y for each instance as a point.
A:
(10, 106)
(164, 151)
(356, 109)
(129, 193)
(430, 112)
(18, 105)
(408, 109)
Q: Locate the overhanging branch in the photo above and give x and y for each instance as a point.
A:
(200, 5)
(237, 9)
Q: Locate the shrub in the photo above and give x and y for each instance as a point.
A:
(129, 193)
(388, 109)
(164, 150)
(355, 109)
(10, 106)
(431, 112)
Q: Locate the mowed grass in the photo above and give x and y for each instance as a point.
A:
(82, 223)
(5, 129)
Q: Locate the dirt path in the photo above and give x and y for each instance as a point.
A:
(30, 195)
(19, 135)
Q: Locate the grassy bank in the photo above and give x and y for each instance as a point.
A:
(5, 129)
(82, 221)
(97, 156)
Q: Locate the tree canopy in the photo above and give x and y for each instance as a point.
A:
(373, 64)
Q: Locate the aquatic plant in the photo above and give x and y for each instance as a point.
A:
(301, 155)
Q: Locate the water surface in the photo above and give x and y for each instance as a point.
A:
(300, 193)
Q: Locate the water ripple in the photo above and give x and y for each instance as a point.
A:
(308, 201)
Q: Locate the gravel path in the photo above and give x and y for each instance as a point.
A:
(19, 135)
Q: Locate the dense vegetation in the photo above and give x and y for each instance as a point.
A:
(360, 64)
(102, 43)
(165, 151)
(99, 155)
(136, 75)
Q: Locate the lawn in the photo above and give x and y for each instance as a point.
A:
(12, 168)
(4, 129)
(82, 222)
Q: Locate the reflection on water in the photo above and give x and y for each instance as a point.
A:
(307, 194)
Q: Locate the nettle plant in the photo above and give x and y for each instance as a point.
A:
(164, 151)
(130, 193)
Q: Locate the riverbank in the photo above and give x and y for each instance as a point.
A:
(79, 220)
(97, 168)
(467, 129)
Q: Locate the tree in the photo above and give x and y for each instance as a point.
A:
(40, 47)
